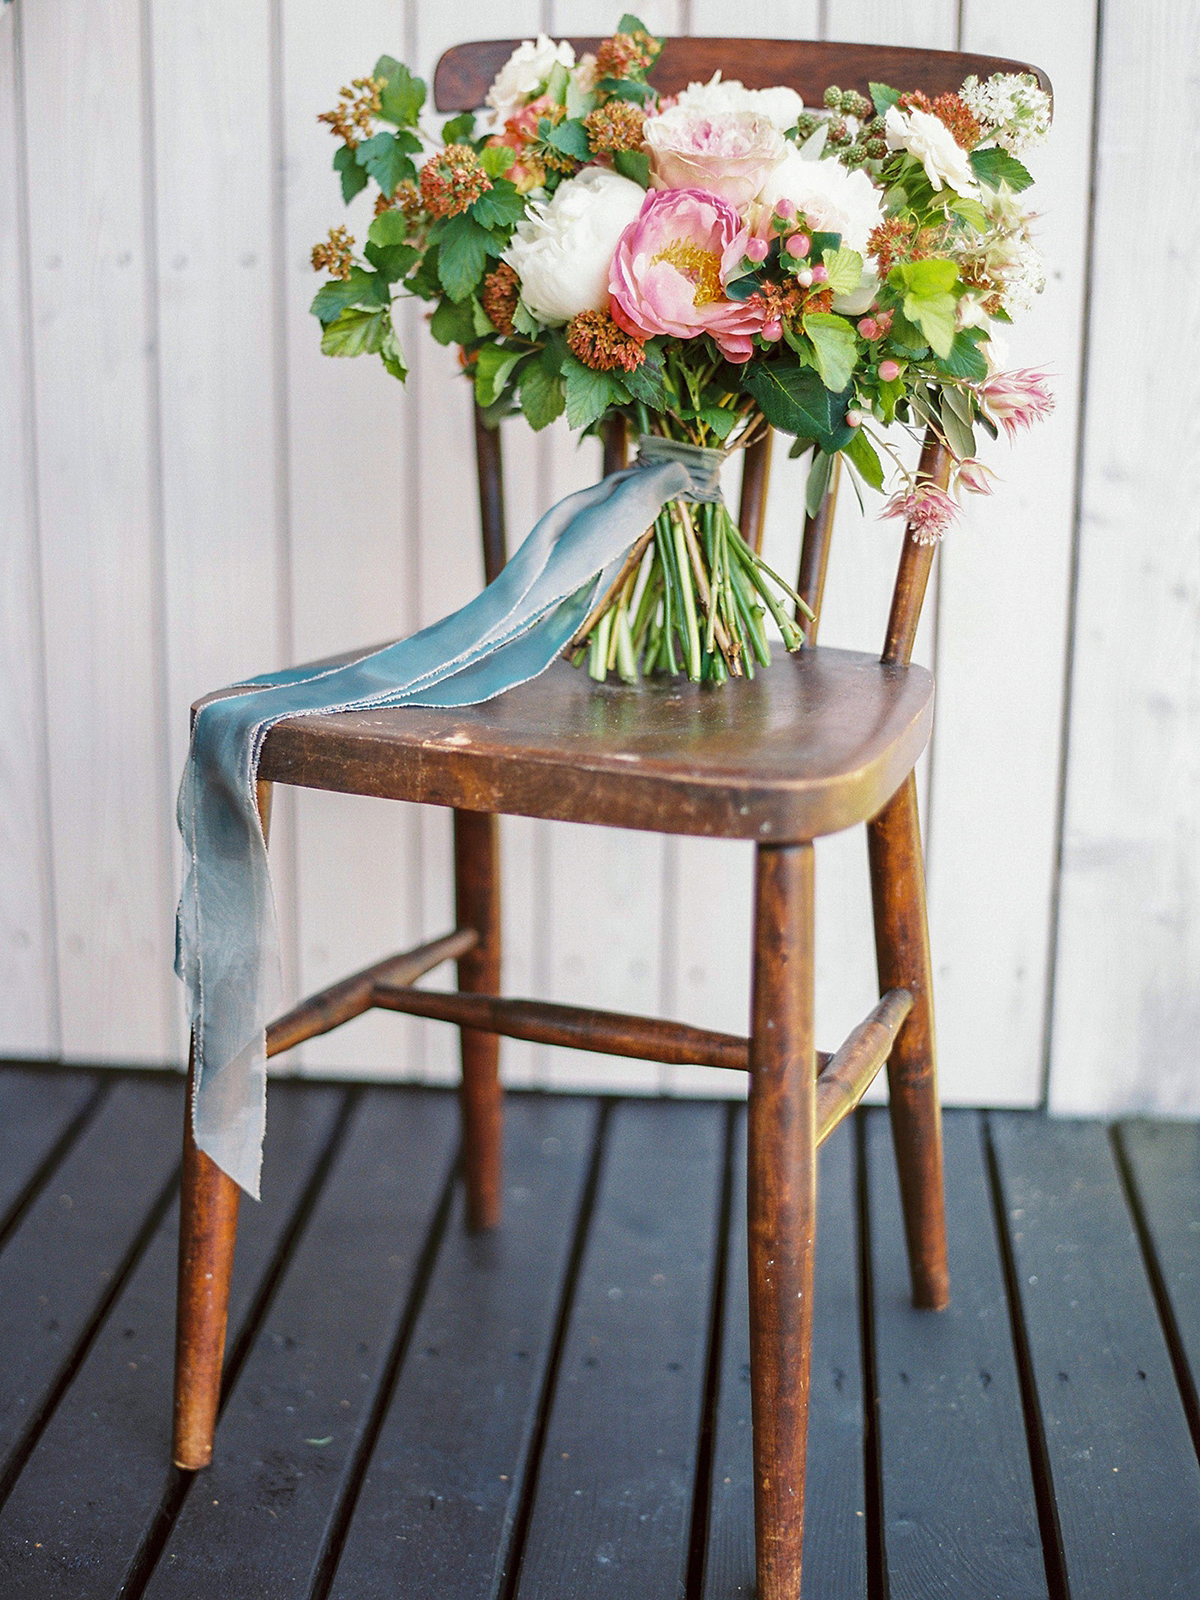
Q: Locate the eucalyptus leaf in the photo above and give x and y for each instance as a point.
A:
(861, 452)
(959, 435)
(817, 483)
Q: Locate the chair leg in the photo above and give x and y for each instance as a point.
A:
(208, 1215)
(782, 1197)
(902, 953)
(477, 905)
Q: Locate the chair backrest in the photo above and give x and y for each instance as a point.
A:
(461, 82)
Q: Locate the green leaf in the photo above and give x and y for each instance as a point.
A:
(589, 394)
(631, 24)
(824, 241)
(835, 348)
(884, 97)
(801, 345)
(386, 249)
(801, 447)
(844, 267)
(460, 128)
(743, 288)
(345, 162)
(817, 483)
(905, 339)
(425, 283)
(391, 354)
(861, 452)
(935, 316)
(634, 165)
(355, 333)
(959, 435)
(402, 95)
(387, 160)
(480, 320)
(794, 399)
(719, 418)
(364, 289)
(965, 360)
(568, 136)
(556, 84)
(970, 211)
(496, 159)
(453, 322)
(646, 382)
(500, 207)
(543, 395)
(492, 367)
(994, 166)
(890, 395)
(524, 322)
(625, 89)
(463, 249)
(924, 279)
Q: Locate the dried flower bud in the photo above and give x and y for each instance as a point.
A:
(498, 297)
(452, 180)
(615, 126)
(335, 255)
(595, 339)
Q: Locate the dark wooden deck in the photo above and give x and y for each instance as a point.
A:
(560, 1410)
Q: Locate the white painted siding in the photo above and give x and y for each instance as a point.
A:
(190, 491)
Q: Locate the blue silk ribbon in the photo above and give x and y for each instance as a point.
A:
(227, 939)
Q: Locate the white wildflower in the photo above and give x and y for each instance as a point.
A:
(1024, 280)
(780, 105)
(524, 74)
(929, 139)
(1012, 108)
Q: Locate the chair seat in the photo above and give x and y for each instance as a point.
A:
(816, 743)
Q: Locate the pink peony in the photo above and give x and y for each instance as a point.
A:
(728, 153)
(927, 509)
(1017, 399)
(669, 272)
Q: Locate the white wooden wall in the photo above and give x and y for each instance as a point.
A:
(190, 492)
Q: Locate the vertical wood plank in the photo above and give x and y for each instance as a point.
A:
(1126, 1019)
(353, 541)
(996, 777)
(95, 394)
(224, 561)
(28, 960)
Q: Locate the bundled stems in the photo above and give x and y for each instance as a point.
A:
(692, 597)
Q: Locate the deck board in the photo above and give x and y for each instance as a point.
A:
(1126, 1480)
(560, 1409)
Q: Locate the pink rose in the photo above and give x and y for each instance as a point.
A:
(669, 272)
(729, 153)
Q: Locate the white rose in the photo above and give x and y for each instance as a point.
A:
(562, 251)
(525, 73)
(929, 139)
(834, 199)
(780, 105)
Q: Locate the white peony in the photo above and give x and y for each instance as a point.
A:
(780, 105)
(833, 199)
(929, 139)
(562, 250)
(525, 73)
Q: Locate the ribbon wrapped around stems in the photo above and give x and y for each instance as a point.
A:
(227, 940)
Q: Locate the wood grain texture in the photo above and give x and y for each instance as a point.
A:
(94, 332)
(1126, 1483)
(1127, 1008)
(614, 1490)
(98, 1199)
(29, 1001)
(90, 1492)
(995, 777)
(38, 1111)
(835, 1560)
(287, 1439)
(820, 741)
(1164, 1163)
(438, 1507)
(959, 1516)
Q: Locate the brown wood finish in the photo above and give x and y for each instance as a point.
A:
(848, 1074)
(490, 471)
(464, 74)
(341, 1002)
(477, 907)
(616, 446)
(781, 1207)
(576, 1027)
(916, 561)
(814, 555)
(752, 504)
(816, 744)
(902, 955)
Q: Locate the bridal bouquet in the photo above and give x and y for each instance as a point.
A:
(704, 267)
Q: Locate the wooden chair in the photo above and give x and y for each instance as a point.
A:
(821, 741)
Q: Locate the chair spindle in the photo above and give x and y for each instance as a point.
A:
(756, 470)
(814, 554)
(916, 561)
(489, 464)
